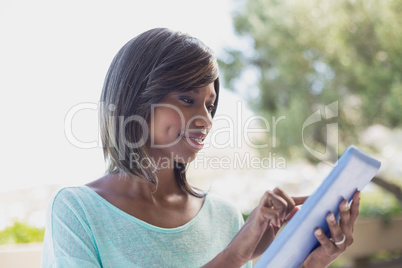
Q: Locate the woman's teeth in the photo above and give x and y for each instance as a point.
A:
(197, 140)
(200, 141)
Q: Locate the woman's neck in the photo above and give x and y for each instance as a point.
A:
(166, 206)
(166, 188)
(166, 184)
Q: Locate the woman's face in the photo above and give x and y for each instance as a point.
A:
(179, 123)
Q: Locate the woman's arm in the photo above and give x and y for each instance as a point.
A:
(258, 231)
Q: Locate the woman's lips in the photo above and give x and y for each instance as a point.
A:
(195, 141)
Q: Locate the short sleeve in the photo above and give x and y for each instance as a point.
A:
(68, 238)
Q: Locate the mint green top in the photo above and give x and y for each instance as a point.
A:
(85, 230)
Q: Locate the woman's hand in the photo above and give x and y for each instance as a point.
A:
(341, 235)
(274, 208)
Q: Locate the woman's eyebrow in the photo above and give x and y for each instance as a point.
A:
(197, 91)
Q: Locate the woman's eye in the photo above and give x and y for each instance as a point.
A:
(211, 108)
(187, 100)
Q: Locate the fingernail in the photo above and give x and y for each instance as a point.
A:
(331, 217)
(346, 205)
(317, 232)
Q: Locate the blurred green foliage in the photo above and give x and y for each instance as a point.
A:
(384, 255)
(379, 204)
(308, 54)
(338, 263)
(21, 232)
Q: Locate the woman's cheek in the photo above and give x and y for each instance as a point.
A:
(166, 125)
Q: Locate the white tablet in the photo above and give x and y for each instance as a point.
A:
(352, 172)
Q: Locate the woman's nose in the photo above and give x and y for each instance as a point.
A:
(203, 119)
(202, 122)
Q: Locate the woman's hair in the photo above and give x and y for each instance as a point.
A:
(145, 69)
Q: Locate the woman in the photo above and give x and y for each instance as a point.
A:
(159, 97)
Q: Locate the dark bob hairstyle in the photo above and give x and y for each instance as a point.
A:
(147, 68)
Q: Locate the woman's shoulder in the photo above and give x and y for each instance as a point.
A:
(222, 205)
(71, 193)
(74, 198)
(218, 199)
